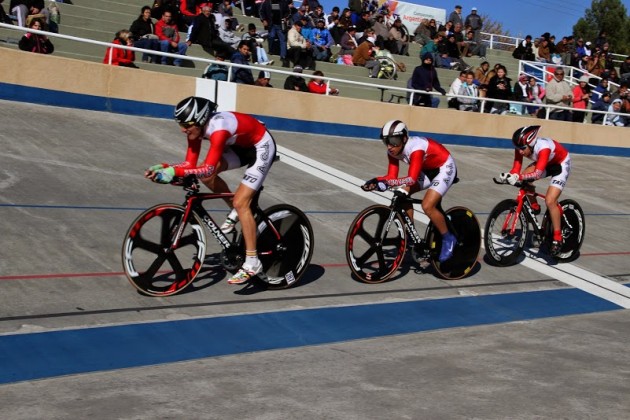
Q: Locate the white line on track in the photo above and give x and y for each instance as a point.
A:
(570, 274)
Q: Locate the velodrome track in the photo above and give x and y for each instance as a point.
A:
(77, 341)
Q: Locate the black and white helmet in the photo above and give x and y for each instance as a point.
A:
(394, 128)
(194, 110)
(525, 136)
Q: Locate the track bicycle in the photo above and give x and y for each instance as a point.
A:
(512, 221)
(377, 241)
(165, 246)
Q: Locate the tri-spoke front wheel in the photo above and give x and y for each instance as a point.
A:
(375, 244)
(150, 261)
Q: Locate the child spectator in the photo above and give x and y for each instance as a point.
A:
(318, 85)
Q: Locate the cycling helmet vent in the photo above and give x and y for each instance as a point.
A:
(194, 110)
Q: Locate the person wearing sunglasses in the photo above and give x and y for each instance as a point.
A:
(549, 158)
(431, 168)
(236, 140)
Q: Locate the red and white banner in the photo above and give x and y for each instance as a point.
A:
(412, 14)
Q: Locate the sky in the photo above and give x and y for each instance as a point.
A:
(520, 18)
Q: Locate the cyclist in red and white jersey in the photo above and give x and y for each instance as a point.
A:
(549, 158)
(236, 140)
(431, 168)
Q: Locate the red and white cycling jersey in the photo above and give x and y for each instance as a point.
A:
(545, 152)
(422, 154)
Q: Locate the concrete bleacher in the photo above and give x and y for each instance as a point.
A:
(101, 19)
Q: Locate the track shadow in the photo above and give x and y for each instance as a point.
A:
(312, 273)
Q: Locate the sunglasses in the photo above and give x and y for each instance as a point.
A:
(394, 141)
(186, 124)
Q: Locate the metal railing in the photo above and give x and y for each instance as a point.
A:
(400, 91)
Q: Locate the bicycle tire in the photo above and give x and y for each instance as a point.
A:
(284, 259)
(371, 259)
(146, 250)
(503, 249)
(465, 253)
(573, 230)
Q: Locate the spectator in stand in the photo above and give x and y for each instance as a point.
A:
(19, 9)
(381, 30)
(562, 49)
(307, 28)
(36, 43)
(225, 10)
(299, 48)
(454, 89)
(397, 34)
(423, 34)
(318, 85)
(274, 18)
(425, 78)
(227, 34)
(321, 41)
(473, 47)
(217, 71)
(242, 75)
(431, 47)
(364, 56)
(601, 104)
(331, 17)
(364, 23)
(264, 77)
(536, 95)
(318, 13)
(296, 82)
(355, 7)
(621, 93)
(349, 42)
(611, 75)
(543, 54)
(615, 120)
(559, 93)
(624, 69)
(456, 16)
(143, 32)
(481, 76)
(4, 18)
(600, 89)
(500, 87)
(345, 21)
(460, 38)
(120, 56)
(521, 90)
(203, 31)
(525, 50)
(475, 22)
(168, 36)
(581, 98)
(454, 55)
(471, 92)
(607, 57)
(595, 65)
(447, 28)
(255, 41)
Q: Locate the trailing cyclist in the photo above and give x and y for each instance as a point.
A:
(549, 158)
(431, 168)
(236, 140)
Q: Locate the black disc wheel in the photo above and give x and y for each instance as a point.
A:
(285, 245)
(465, 226)
(375, 244)
(149, 260)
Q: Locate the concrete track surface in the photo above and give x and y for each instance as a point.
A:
(77, 341)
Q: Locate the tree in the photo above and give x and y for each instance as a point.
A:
(610, 16)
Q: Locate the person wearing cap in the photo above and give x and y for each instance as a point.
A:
(296, 81)
(475, 22)
(559, 93)
(425, 79)
(581, 97)
(264, 77)
(364, 56)
(456, 15)
(321, 40)
(397, 35)
(299, 48)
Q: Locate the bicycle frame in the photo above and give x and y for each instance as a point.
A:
(524, 191)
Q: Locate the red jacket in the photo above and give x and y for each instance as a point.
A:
(159, 31)
(119, 55)
(315, 87)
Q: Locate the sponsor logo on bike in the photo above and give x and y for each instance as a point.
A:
(216, 232)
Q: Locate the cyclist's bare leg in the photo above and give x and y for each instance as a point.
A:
(216, 184)
(242, 203)
(551, 200)
(429, 204)
(408, 207)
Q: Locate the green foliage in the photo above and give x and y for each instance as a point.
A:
(610, 16)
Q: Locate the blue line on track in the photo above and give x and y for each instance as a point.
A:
(49, 354)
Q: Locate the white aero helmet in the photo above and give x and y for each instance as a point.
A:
(394, 129)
